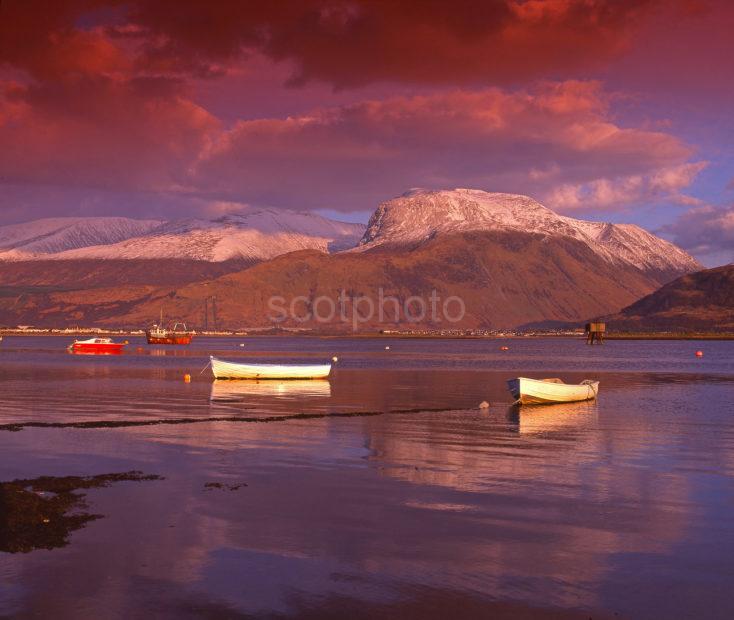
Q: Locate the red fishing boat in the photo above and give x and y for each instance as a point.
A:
(97, 346)
(158, 334)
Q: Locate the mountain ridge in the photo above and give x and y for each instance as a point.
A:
(256, 234)
(420, 215)
(406, 221)
(509, 258)
(29, 240)
(504, 279)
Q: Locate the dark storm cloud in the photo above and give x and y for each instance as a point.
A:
(356, 42)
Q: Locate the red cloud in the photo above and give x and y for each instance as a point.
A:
(346, 43)
(524, 141)
(102, 97)
(79, 114)
(356, 42)
(93, 131)
(41, 37)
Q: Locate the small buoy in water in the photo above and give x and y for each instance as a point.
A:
(387, 348)
(484, 405)
(699, 353)
(504, 348)
(335, 359)
(187, 378)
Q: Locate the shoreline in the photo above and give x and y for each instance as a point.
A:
(377, 335)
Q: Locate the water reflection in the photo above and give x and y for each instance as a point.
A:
(236, 391)
(556, 418)
(376, 502)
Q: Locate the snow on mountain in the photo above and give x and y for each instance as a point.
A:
(41, 238)
(261, 234)
(420, 215)
(257, 234)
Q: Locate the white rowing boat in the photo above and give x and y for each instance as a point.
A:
(230, 370)
(539, 391)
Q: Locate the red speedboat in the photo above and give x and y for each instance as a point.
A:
(97, 345)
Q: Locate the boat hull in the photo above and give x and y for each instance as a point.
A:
(169, 339)
(537, 392)
(230, 370)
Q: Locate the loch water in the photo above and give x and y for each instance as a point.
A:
(382, 492)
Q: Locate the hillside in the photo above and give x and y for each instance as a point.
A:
(504, 279)
(701, 301)
(509, 259)
(84, 274)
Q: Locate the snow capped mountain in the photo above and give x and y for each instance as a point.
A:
(262, 234)
(420, 215)
(41, 238)
(257, 234)
(522, 263)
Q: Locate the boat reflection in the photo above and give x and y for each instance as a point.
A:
(556, 418)
(235, 391)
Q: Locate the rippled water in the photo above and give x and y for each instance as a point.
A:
(384, 491)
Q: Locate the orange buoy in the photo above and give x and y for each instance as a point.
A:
(504, 348)
(699, 353)
(187, 378)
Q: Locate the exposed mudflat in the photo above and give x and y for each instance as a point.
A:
(41, 513)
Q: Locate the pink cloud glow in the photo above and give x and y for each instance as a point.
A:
(155, 107)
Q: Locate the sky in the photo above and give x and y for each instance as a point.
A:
(615, 110)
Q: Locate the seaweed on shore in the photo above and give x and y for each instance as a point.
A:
(224, 486)
(15, 427)
(41, 513)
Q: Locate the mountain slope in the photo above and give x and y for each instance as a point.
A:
(698, 301)
(257, 234)
(508, 258)
(84, 274)
(41, 238)
(420, 215)
(504, 279)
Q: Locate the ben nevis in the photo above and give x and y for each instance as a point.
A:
(513, 262)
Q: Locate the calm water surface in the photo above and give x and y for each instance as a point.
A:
(393, 496)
